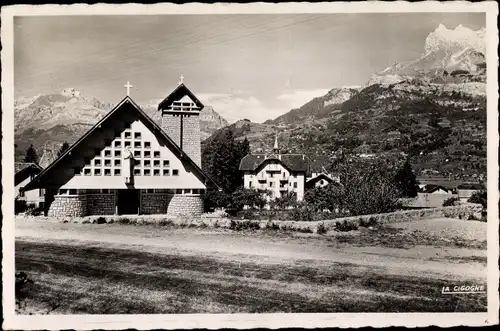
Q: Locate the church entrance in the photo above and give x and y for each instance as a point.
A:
(128, 202)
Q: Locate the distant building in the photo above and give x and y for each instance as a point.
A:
(282, 173)
(129, 164)
(466, 190)
(47, 158)
(24, 173)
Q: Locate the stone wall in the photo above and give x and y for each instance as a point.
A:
(191, 205)
(155, 203)
(191, 141)
(68, 206)
(171, 124)
(101, 204)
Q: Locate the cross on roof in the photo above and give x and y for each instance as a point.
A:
(128, 86)
(181, 80)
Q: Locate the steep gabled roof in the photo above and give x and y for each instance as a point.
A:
(177, 94)
(20, 166)
(470, 186)
(176, 149)
(23, 170)
(430, 188)
(294, 162)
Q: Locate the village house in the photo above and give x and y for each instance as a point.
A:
(129, 164)
(466, 190)
(281, 173)
(24, 172)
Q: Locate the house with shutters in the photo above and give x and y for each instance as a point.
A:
(283, 173)
(129, 164)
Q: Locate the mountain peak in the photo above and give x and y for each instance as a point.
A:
(70, 92)
(450, 41)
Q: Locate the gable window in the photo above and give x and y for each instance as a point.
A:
(147, 163)
(166, 163)
(107, 153)
(117, 172)
(118, 143)
(295, 185)
(86, 171)
(166, 172)
(270, 184)
(137, 135)
(137, 153)
(97, 162)
(156, 154)
(118, 163)
(107, 163)
(73, 191)
(137, 144)
(127, 144)
(147, 154)
(128, 135)
(156, 163)
(137, 172)
(107, 172)
(137, 162)
(97, 172)
(175, 172)
(118, 153)
(147, 144)
(156, 172)
(147, 172)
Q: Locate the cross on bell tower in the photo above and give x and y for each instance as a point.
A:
(128, 86)
(181, 80)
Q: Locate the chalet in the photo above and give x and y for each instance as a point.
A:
(23, 173)
(282, 173)
(129, 164)
(466, 190)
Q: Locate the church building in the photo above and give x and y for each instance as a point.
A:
(129, 164)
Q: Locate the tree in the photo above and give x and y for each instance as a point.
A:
(63, 148)
(252, 198)
(31, 156)
(221, 159)
(286, 200)
(479, 197)
(406, 180)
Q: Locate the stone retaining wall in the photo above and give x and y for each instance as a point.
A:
(155, 203)
(68, 206)
(189, 205)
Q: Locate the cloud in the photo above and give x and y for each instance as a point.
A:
(298, 98)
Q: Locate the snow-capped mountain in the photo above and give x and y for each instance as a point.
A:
(454, 56)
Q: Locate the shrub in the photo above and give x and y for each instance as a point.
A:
(321, 229)
(217, 199)
(345, 226)
(479, 197)
(450, 201)
(252, 198)
(20, 206)
(101, 220)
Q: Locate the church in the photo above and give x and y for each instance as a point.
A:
(128, 164)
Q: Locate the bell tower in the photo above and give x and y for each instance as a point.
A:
(180, 119)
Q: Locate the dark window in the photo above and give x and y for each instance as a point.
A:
(166, 163)
(105, 191)
(107, 163)
(97, 162)
(147, 172)
(270, 184)
(97, 172)
(295, 185)
(128, 135)
(137, 135)
(107, 172)
(73, 191)
(137, 162)
(126, 144)
(147, 144)
(118, 163)
(118, 143)
(77, 171)
(147, 154)
(166, 172)
(117, 172)
(187, 191)
(137, 153)
(118, 153)
(175, 172)
(156, 163)
(156, 154)
(178, 191)
(156, 172)
(107, 153)
(137, 144)
(86, 172)
(147, 163)
(137, 172)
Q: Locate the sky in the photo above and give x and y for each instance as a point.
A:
(255, 66)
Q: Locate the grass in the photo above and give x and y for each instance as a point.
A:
(96, 280)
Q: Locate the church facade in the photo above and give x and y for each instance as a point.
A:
(129, 164)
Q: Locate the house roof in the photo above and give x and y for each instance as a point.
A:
(318, 163)
(20, 166)
(176, 149)
(470, 186)
(430, 188)
(177, 94)
(294, 162)
(314, 180)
